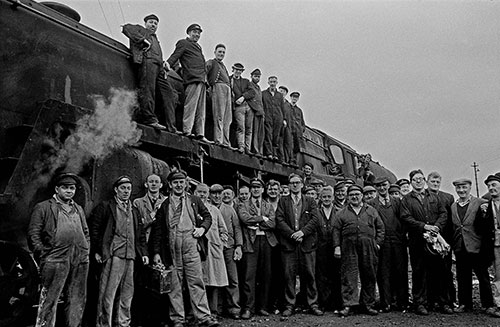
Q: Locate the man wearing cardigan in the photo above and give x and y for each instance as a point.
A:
(297, 222)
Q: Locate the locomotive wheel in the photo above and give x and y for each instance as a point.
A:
(19, 280)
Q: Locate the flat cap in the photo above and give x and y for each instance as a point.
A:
(284, 88)
(124, 179)
(308, 164)
(307, 189)
(66, 179)
(339, 185)
(369, 188)
(257, 182)
(238, 66)
(349, 181)
(402, 181)
(394, 188)
(490, 178)
(151, 16)
(295, 94)
(228, 187)
(316, 181)
(216, 188)
(354, 187)
(381, 180)
(178, 174)
(256, 72)
(194, 27)
(462, 181)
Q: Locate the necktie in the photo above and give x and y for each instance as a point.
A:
(177, 213)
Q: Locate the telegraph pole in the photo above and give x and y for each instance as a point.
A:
(475, 166)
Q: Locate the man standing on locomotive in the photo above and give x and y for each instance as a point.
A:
(59, 237)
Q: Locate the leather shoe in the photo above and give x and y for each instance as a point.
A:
(345, 312)
(234, 315)
(493, 312)
(246, 314)
(421, 310)
(460, 309)
(287, 313)
(316, 311)
(386, 309)
(446, 309)
(210, 322)
(371, 311)
(263, 312)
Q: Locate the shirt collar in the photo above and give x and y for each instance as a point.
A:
(58, 201)
(122, 203)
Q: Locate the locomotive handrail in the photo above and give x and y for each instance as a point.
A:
(19, 3)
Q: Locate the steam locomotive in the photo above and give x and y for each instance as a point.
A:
(51, 67)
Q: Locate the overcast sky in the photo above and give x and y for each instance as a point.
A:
(414, 83)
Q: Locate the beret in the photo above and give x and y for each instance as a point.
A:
(257, 182)
(256, 72)
(402, 182)
(462, 181)
(490, 178)
(369, 188)
(152, 16)
(354, 187)
(66, 179)
(238, 66)
(381, 180)
(284, 88)
(124, 179)
(194, 27)
(339, 185)
(216, 188)
(178, 174)
(295, 94)
(394, 188)
(414, 172)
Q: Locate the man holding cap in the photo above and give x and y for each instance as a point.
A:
(148, 59)
(297, 221)
(178, 238)
(358, 233)
(257, 107)
(468, 245)
(118, 239)
(243, 115)
(188, 51)
(392, 272)
(258, 223)
(63, 252)
(298, 124)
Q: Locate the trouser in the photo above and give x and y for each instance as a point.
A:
(258, 134)
(466, 263)
(392, 274)
(359, 259)
(257, 266)
(303, 264)
(273, 138)
(187, 268)
(277, 298)
(496, 282)
(222, 113)
(448, 279)
(328, 279)
(287, 144)
(194, 109)
(231, 293)
(56, 277)
(168, 98)
(148, 74)
(116, 290)
(297, 142)
(243, 116)
(428, 282)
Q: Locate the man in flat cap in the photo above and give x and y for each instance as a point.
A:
(188, 51)
(466, 217)
(243, 115)
(258, 223)
(340, 192)
(358, 233)
(232, 251)
(307, 173)
(298, 124)
(257, 107)
(297, 222)
(178, 238)
(369, 193)
(118, 239)
(220, 92)
(422, 211)
(148, 60)
(273, 104)
(287, 127)
(395, 191)
(63, 252)
(392, 275)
